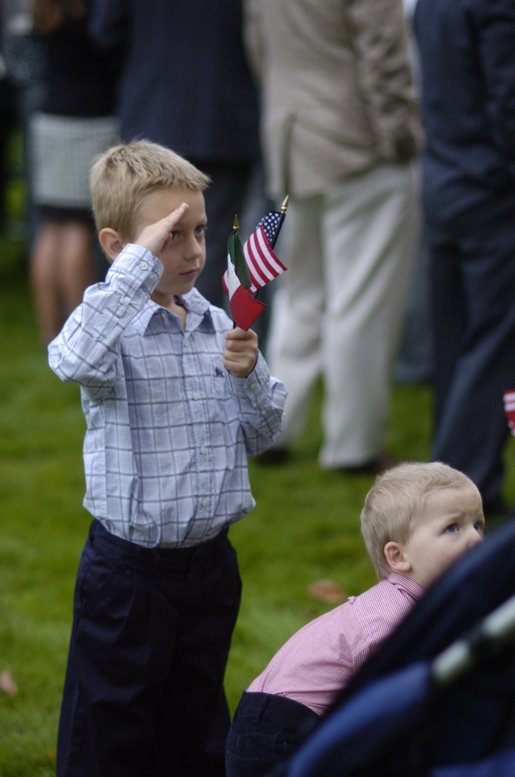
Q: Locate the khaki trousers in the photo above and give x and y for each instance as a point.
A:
(340, 307)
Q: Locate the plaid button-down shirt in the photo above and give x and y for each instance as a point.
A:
(168, 427)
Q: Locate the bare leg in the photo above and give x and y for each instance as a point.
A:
(77, 269)
(62, 266)
(44, 278)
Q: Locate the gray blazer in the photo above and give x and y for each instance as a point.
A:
(337, 91)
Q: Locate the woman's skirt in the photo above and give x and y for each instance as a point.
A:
(62, 151)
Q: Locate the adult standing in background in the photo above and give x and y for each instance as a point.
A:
(468, 107)
(415, 360)
(24, 60)
(186, 84)
(7, 124)
(340, 131)
(75, 122)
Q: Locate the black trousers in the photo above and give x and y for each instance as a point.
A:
(265, 731)
(472, 260)
(143, 695)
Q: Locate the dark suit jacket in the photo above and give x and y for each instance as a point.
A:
(467, 52)
(185, 82)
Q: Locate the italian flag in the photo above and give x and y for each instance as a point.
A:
(244, 307)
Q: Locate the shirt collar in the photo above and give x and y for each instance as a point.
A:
(198, 307)
(199, 311)
(406, 584)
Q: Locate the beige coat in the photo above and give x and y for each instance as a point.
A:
(337, 92)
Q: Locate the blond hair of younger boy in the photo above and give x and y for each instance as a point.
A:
(416, 502)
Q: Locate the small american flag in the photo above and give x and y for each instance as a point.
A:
(262, 263)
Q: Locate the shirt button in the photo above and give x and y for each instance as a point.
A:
(143, 265)
(195, 395)
(186, 343)
(123, 300)
(203, 449)
(203, 502)
(252, 387)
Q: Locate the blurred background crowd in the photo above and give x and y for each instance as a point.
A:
(389, 124)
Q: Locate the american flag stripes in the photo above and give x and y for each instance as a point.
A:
(509, 408)
(263, 265)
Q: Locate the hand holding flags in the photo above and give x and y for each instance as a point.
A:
(252, 266)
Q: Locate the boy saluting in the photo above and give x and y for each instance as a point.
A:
(175, 399)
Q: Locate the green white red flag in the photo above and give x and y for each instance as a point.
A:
(244, 307)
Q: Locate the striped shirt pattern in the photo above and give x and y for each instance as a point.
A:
(168, 427)
(320, 659)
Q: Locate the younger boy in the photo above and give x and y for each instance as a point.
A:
(417, 519)
(174, 399)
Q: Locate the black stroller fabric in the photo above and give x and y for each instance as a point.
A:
(438, 699)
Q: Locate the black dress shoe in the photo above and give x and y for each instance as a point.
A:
(372, 467)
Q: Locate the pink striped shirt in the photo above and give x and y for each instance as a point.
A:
(320, 658)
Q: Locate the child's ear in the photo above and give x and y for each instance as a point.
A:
(396, 558)
(111, 242)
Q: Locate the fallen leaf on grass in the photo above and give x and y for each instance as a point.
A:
(327, 591)
(7, 684)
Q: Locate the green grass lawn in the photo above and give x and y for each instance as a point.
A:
(305, 528)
